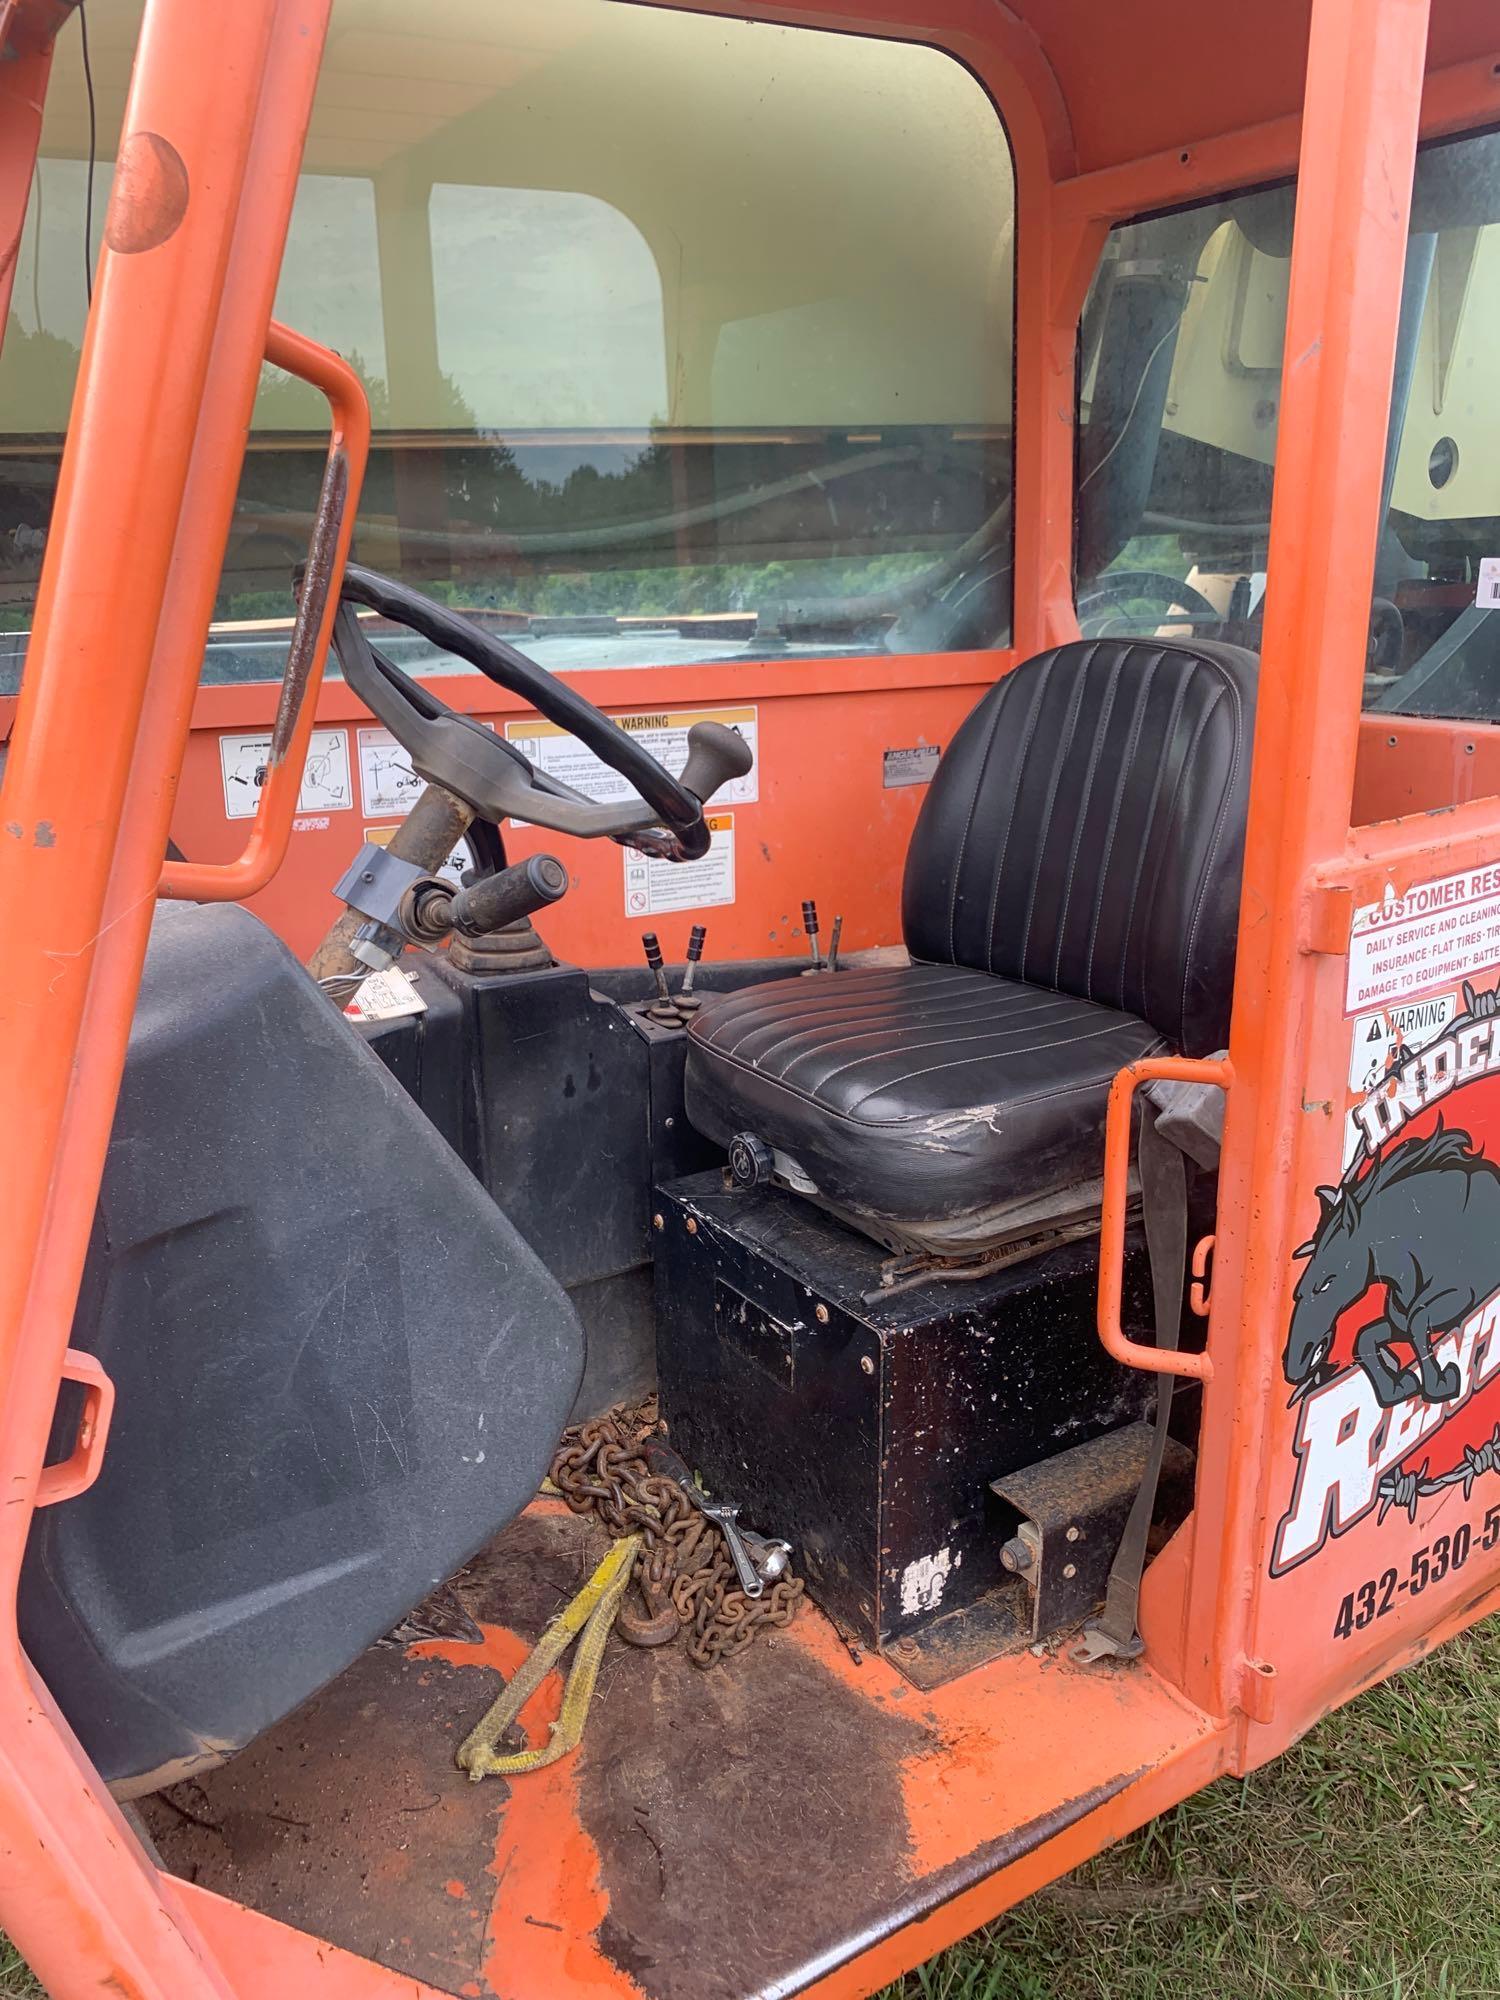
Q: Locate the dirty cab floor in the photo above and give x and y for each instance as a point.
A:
(719, 1835)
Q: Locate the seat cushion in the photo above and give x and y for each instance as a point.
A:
(931, 1099)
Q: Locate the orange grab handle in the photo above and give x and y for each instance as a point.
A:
(1171, 1069)
(77, 1473)
(333, 528)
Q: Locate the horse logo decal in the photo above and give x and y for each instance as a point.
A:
(1393, 1349)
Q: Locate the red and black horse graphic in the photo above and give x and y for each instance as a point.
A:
(1423, 1221)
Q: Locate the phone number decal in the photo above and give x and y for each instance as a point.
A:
(1379, 1594)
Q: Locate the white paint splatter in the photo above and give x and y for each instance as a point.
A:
(922, 1582)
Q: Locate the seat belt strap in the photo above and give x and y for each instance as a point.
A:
(1115, 1633)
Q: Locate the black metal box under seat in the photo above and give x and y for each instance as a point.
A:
(867, 1429)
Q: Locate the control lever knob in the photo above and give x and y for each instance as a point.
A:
(810, 925)
(688, 1001)
(663, 1008)
(716, 754)
(504, 898)
(751, 1161)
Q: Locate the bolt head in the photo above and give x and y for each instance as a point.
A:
(692, 1225)
(867, 1364)
(1072, 1535)
(820, 1314)
(658, 1221)
(1070, 1569)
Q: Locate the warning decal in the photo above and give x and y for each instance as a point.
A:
(1427, 939)
(326, 787)
(653, 886)
(563, 757)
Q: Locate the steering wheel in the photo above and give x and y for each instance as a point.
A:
(478, 766)
(1121, 586)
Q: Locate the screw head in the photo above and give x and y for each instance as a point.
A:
(1070, 1569)
(1072, 1535)
(820, 1314)
(867, 1364)
(692, 1225)
(658, 1221)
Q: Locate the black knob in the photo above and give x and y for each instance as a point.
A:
(696, 937)
(810, 918)
(751, 1161)
(652, 948)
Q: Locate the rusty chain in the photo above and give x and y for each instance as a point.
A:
(683, 1573)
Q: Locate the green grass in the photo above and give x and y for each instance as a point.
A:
(1364, 1862)
(16, 1983)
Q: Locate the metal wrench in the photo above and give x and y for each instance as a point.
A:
(774, 1556)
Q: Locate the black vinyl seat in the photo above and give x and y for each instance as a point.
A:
(1070, 904)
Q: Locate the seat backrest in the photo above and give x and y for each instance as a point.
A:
(1085, 831)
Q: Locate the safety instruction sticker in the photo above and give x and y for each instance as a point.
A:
(562, 756)
(1429, 938)
(386, 778)
(326, 786)
(1487, 584)
(653, 886)
(452, 869)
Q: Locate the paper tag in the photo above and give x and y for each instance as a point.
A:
(1487, 593)
(652, 886)
(385, 996)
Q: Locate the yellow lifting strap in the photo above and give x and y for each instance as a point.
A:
(592, 1612)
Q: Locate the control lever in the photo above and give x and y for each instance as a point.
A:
(490, 903)
(663, 1008)
(757, 1561)
(810, 925)
(688, 1001)
(833, 944)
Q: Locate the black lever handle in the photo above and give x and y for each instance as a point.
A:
(687, 1000)
(716, 754)
(810, 925)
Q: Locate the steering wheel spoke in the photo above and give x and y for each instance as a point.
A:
(489, 774)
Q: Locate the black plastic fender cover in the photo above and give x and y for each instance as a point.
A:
(339, 1370)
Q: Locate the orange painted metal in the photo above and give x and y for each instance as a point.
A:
(104, 720)
(1348, 248)
(348, 451)
(165, 385)
(1420, 763)
(76, 1473)
(1117, 1149)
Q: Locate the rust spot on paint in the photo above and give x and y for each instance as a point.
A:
(150, 194)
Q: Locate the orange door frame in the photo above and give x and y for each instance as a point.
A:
(181, 310)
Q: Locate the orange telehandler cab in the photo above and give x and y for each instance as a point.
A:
(1015, 481)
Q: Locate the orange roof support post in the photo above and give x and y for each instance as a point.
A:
(207, 167)
(1358, 147)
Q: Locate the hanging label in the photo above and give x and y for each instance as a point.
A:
(561, 756)
(653, 886)
(386, 996)
(1487, 591)
(326, 785)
